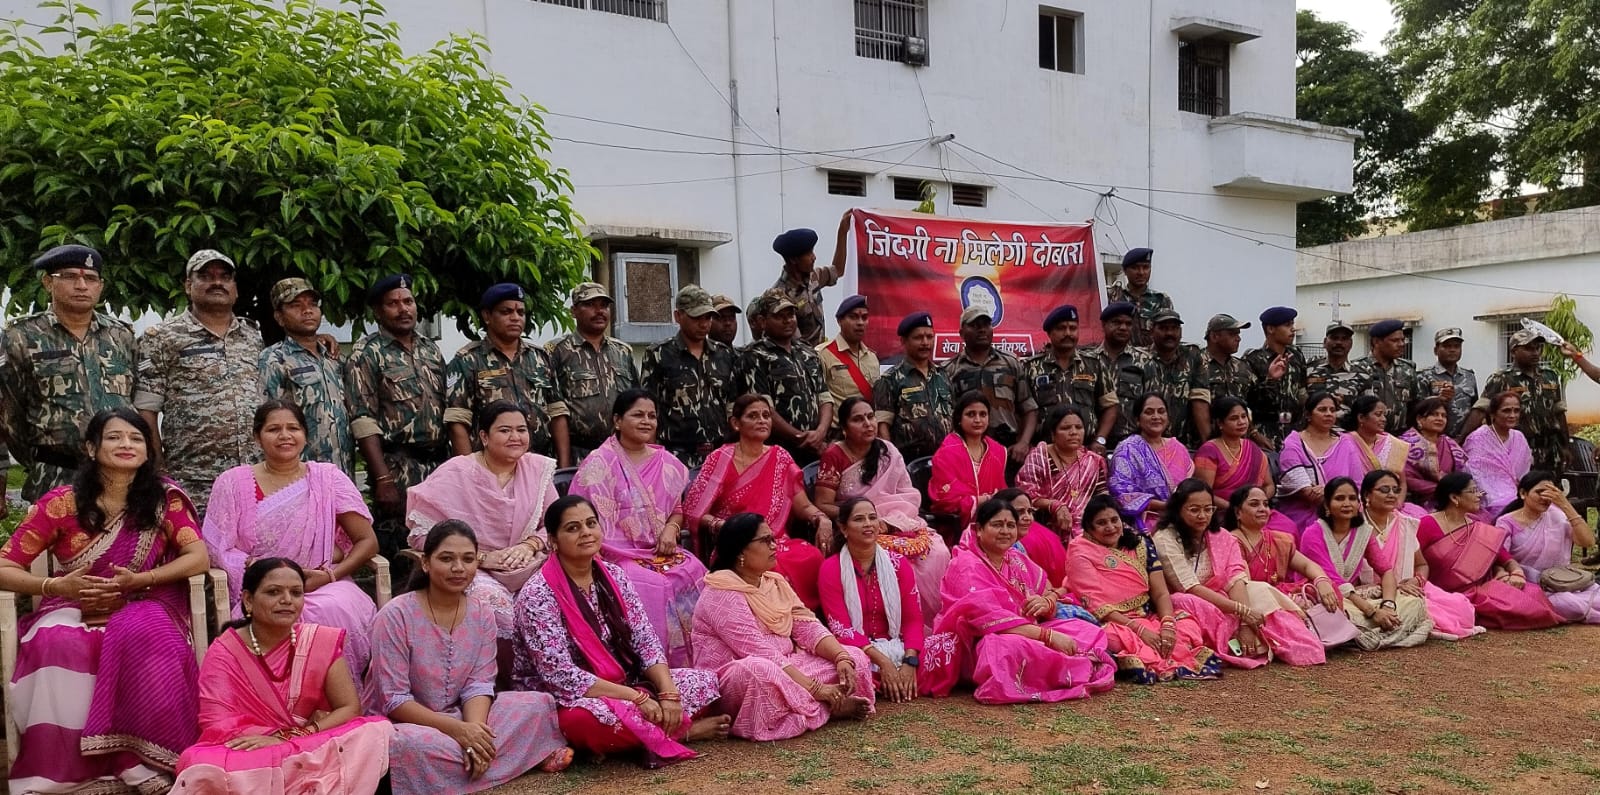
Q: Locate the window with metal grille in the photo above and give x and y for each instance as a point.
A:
(847, 183)
(1509, 327)
(969, 195)
(654, 10)
(907, 189)
(883, 27)
(1059, 40)
(1203, 77)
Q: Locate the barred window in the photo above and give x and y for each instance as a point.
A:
(1203, 76)
(653, 10)
(882, 27)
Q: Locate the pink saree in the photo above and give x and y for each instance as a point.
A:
(1341, 561)
(1141, 473)
(634, 502)
(1113, 580)
(242, 694)
(957, 482)
(1427, 464)
(880, 608)
(1351, 456)
(1043, 479)
(1463, 560)
(1301, 471)
(1545, 544)
(767, 487)
(1229, 474)
(1452, 613)
(1496, 466)
(981, 602)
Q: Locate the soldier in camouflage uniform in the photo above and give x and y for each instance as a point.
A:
(1223, 373)
(1278, 396)
(1385, 374)
(502, 366)
(802, 283)
(691, 377)
(1123, 363)
(1000, 377)
(198, 374)
(297, 370)
(591, 369)
(725, 323)
(1174, 372)
(395, 383)
(1147, 302)
(788, 371)
(1449, 380)
(60, 367)
(756, 321)
(1332, 373)
(1544, 403)
(913, 402)
(1062, 374)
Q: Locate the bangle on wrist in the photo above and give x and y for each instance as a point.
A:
(640, 699)
(44, 587)
(669, 697)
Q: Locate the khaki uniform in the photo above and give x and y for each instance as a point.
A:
(1003, 380)
(1279, 405)
(837, 375)
(52, 383)
(1127, 373)
(692, 395)
(315, 383)
(398, 394)
(1180, 381)
(206, 389)
(807, 299)
(1395, 386)
(917, 407)
(1085, 384)
(1145, 307)
(1430, 383)
(480, 374)
(1544, 412)
(588, 381)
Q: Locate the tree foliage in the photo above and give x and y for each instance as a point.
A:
(1563, 320)
(1513, 90)
(296, 138)
(1340, 85)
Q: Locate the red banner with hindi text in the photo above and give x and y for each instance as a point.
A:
(912, 262)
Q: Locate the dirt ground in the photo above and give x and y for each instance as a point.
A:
(1505, 712)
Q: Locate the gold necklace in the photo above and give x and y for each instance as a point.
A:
(455, 617)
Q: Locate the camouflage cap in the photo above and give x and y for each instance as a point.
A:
(289, 289)
(721, 302)
(1526, 337)
(205, 257)
(694, 301)
(589, 291)
(754, 307)
(774, 301)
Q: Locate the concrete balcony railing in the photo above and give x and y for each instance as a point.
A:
(1253, 154)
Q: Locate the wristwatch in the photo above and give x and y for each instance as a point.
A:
(1100, 440)
(1389, 603)
(912, 660)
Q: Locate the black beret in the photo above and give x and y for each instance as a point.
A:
(1117, 309)
(501, 292)
(1278, 316)
(381, 287)
(851, 304)
(1060, 315)
(1384, 328)
(795, 243)
(69, 256)
(914, 321)
(1137, 255)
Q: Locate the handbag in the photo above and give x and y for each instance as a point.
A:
(1333, 629)
(1565, 579)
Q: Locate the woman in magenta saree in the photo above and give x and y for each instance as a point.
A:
(1117, 575)
(1303, 457)
(1469, 557)
(1272, 556)
(750, 476)
(1061, 475)
(1230, 461)
(1498, 456)
(1003, 613)
(1394, 534)
(1148, 465)
(104, 691)
(1543, 527)
(968, 467)
(636, 487)
(1432, 454)
(1365, 446)
(279, 711)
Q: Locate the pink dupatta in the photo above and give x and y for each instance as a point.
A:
(462, 488)
(956, 482)
(633, 501)
(988, 600)
(602, 664)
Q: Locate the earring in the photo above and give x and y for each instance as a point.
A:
(741, 561)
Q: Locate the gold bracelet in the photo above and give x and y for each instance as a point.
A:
(44, 587)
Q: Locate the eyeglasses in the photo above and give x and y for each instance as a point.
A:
(771, 541)
(90, 279)
(1200, 510)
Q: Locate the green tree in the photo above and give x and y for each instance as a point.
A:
(1513, 90)
(296, 138)
(1340, 85)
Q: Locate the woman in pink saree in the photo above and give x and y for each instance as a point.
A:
(636, 487)
(781, 673)
(1117, 575)
(1201, 559)
(1542, 527)
(1365, 446)
(1303, 457)
(863, 466)
(279, 711)
(104, 691)
(1468, 557)
(1003, 613)
(308, 512)
(501, 493)
(1230, 461)
(1272, 556)
(750, 476)
(1433, 454)
(1061, 475)
(1395, 535)
(1148, 465)
(968, 467)
(1341, 543)
(1498, 456)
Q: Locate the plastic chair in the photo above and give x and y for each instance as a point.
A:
(809, 474)
(563, 479)
(947, 525)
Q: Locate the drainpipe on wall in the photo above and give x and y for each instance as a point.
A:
(733, 136)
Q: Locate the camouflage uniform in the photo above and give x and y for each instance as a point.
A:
(1230, 377)
(692, 395)
(1003, 380)
(1145, 307)
(916, 406)
(1429, 382)
(1087, 385)
(315, 383)
(398, 394)
(1278, 405)
(206, 389)
(51, 384)
(1127, 374)
(588, 380)
(1180, 382)
(792, 378)
(1544, 412)
(1341, 382)
(480, 374)
(807, 300)
(1394, 386)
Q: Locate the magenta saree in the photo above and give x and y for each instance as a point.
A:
(767, 487)
(1396, 541)
(1302, 471)
(1463, 561)
(1427, 464)
(101, 704)
(1111, 579)
(1043, 478)
(958, 481)
(1230, 472)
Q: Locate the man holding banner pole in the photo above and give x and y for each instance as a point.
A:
(1063, 374)
(802, 283)
(1000, 377)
